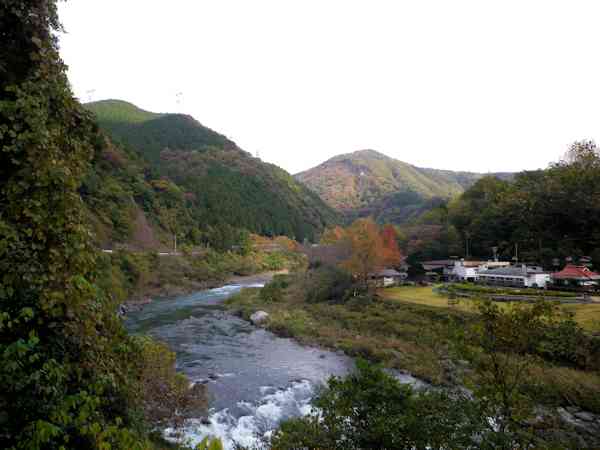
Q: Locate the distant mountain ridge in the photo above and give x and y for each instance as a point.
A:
(205, 176)
(367, 182)
(153, 132)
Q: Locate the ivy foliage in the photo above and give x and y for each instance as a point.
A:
(66, 370)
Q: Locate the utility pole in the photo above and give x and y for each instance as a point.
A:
(174, 243)
(467, 250)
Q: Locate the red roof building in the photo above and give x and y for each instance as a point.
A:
(573, 274)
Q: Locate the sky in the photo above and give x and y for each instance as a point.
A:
(462, 85)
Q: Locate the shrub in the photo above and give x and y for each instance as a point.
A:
(165, 396)
(371, 409)
(327, 283)
(273, 291)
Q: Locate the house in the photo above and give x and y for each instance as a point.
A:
(459, 269)
(438, 268)
(469, 270)
(387, 277)
(465, 270)
(516, 276)
(573, 275)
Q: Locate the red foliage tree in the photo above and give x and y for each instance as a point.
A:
(391, 254)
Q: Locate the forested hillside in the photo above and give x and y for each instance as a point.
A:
(543, 216)
(167, 174)
(552, 213)
(368, 183)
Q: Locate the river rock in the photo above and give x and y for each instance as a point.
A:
(259, 317)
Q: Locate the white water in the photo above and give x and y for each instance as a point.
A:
(255, 378)
(257, 419)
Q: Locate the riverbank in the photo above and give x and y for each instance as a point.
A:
(254, 379)
(147, 297)
(416, 337)
(134, 278)
(404, 335)
(409, 339)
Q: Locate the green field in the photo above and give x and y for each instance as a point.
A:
(588, 315)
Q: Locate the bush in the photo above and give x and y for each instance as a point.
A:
(273, 292)
(484, 289)
(164, 396)
(327, 283)
(371, 409)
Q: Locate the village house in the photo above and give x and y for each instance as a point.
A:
(465, 270)
(387, 277)
(470, 270)
(458, 269)
(516, 276)
(576, 276)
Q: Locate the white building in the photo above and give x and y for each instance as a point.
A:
(518, 276)
(469, 270)
(388, 277)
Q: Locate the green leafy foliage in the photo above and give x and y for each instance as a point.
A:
(552, 213)
(327, 283)
(191, 181)
(209, 444)
(371, 409)
(505, 344)
(273, 291)
(67, 367)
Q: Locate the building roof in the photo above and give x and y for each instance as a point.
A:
(437, 264)
(387, 273)
(472, 263)
(573, 272)
(512, 271)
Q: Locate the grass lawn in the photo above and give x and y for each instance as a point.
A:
(588, 315)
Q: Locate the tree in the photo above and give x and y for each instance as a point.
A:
(391, 252)
(503, 344)
(370, 409)
(67, 373)
(333, 235)
(367, 250)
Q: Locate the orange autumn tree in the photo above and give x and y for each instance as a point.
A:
(333, 235)
(367, 254)
(391, 253)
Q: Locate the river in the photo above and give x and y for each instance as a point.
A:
(255, 378)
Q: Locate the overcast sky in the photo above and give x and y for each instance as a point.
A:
(471, 85)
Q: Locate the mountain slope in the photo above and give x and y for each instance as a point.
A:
(219, 184)
(367, 182)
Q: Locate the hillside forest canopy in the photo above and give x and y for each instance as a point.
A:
(164, 175)
(543, 216)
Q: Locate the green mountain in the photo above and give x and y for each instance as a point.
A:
(151, 133)
(167, 173)
(367, 182)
